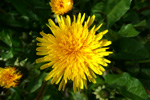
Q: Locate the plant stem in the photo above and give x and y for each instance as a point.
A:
(41, 90)
(43, 94)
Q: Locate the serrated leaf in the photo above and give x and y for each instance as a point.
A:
(118, 11)
(129, 86)
(128, 31)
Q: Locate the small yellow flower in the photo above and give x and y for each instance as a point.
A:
(61, 7)
(9, 77)
(74, 52)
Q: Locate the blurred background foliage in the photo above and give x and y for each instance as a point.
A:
(128, 22)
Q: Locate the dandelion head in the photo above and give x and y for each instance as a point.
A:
(74, 51)
(9, 77)
(61, 7)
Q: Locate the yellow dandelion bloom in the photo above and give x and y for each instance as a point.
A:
(61, 7)
(74, 52)
(9, 77)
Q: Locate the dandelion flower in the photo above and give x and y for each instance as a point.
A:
(9, 77)
(74, 52)
(61, 7)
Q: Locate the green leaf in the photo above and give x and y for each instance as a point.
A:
(46, 97)
(35, 80)
(15, 91)
(37, 85)
(24, 8)
(36, 10)
(129, 86)
(127, 48)
(109, 5)
(7, 55)
(131, 17)
(10, 19)
(5, 37)
(146, 13)
(38, 82)
(112, 35)
(118, 11)
(98, 7)
(142, 23)
(78, 96)
(52, 91)
(128, 31)
(135, 69)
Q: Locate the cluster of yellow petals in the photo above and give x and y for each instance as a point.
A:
(74, 52)
(9, 77)
(61, 7)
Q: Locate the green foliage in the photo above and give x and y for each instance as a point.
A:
(127, 48)
(116, 10)
(128, 86)
(128, 23)
(79, 96)
(128, 31)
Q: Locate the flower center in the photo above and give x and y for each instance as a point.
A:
(70, 48)
(8, 76)
(61, 4)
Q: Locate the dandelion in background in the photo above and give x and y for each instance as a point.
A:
(74, 52)
(60, 7)
(9, 77)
